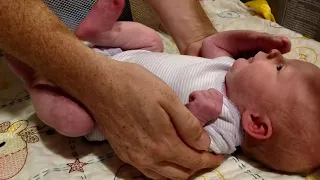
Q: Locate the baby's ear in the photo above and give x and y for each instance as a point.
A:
(256, 125)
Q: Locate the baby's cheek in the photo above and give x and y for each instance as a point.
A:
(238, 65)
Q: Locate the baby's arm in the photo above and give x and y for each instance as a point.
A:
(206, 105)
(129, 36)
(242, 44)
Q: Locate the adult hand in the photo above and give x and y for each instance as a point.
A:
(238, 43)
(146, 124)
(139, 114)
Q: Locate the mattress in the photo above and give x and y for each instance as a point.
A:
(31, 150)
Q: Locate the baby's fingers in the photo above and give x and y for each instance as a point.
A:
(196, 95)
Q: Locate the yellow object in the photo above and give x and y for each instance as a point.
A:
(262, 7)
(311, 177)
(314, 176)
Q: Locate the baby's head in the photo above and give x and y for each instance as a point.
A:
(279, 101)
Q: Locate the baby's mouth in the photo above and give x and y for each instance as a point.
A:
(250, 60)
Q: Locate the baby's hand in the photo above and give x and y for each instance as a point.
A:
(239, 43)
(206, 105)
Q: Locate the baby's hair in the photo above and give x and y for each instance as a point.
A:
(290, 149)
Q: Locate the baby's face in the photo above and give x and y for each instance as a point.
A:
(268, 77)
(288, 92)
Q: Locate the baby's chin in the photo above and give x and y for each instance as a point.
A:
(236, 67)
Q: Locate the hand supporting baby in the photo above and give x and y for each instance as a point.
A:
(206, 105)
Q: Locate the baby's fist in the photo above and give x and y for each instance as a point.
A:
(206, 105)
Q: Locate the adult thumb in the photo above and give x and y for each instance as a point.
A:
(188, 127)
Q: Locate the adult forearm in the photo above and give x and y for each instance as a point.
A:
(32, 33)
(185, 20)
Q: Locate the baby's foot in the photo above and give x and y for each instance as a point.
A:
(100, 19)
(53, 106)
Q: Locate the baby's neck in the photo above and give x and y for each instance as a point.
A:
(225, 93)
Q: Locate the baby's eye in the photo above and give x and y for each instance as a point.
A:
(279, 67)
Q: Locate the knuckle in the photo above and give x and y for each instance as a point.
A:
(192, 128)
(194, 94)
(155, 149)
(195, 126)
(161, 151)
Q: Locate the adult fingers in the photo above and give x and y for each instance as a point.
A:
(196, 160)
(151, 174)
(187, 126)
(239, 42)
(248, 43)
(266, 42)
(286, 45)
(211, 48)
(172, 171)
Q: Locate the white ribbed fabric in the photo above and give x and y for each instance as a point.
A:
(186, 74)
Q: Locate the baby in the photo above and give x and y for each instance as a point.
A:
(269, 105)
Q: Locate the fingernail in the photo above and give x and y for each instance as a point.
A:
(204, 141)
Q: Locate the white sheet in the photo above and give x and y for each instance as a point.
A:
(53, 156)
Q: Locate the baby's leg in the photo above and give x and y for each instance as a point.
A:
(100, 19)
(53, 106)
(129, 36)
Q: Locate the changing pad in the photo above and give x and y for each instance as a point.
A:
(31, 150)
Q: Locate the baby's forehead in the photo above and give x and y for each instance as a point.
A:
(302, 86)
(303, 73)
(303, 65)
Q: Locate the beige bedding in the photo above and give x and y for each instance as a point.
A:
(34, 151)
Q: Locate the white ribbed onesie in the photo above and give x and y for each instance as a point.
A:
(185, 74)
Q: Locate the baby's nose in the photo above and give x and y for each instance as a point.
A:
(274, 53)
